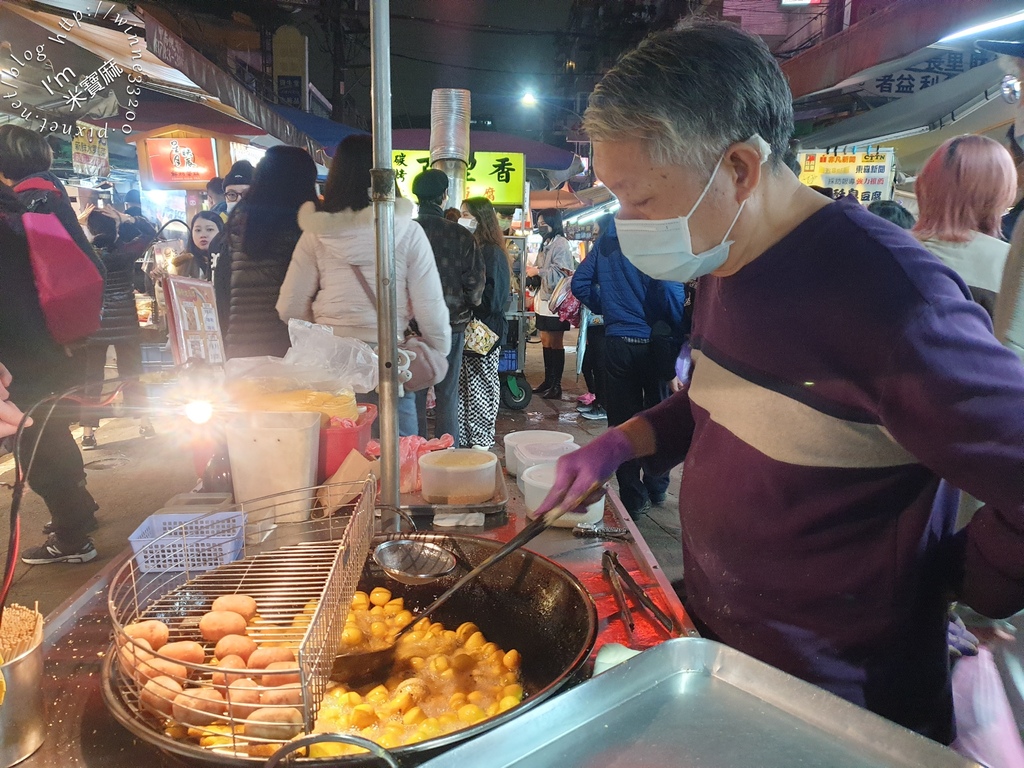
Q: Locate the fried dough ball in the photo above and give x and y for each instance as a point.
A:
(243, 605)
(198, 707)
(158, 695)
(243, 697)
(263, 657)
(186, 651)
(235, 645)
(152, 631)
(216, 625)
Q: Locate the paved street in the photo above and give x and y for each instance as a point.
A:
(131, 478)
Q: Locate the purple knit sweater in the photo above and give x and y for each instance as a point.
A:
(837, 378)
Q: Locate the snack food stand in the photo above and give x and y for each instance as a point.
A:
(88, 726)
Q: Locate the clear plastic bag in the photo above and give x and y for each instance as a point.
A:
(986, 730)
(349, 362)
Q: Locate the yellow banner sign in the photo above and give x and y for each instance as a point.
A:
(89, 154)
(498, 176)
(865, 176)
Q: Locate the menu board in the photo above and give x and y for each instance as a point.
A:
(192, 322)
(866, 176)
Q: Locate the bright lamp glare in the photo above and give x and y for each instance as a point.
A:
(981, 29)
(199, 411)
(528, 100)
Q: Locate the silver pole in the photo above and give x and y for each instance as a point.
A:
(383, 196)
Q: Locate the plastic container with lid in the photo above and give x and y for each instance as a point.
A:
(458, 476)
(538, 482)
(531, 454)
(513, 439)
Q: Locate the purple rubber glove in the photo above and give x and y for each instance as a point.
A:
(593, 464)
(959, 639)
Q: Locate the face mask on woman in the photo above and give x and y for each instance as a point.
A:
(468, 222)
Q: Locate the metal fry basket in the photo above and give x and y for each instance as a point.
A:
(299, 564)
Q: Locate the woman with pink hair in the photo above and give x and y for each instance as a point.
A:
(962, 193)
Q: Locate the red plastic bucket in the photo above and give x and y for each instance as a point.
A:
(336, 443)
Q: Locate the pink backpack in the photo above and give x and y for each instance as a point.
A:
(69, 286)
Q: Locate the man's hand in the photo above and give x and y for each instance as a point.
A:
(591, 465)
(10, 415)
(959, 639)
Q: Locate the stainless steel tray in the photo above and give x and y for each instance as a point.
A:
(693, 702)
(414, 504)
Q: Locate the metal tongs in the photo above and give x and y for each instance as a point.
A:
(619, 577)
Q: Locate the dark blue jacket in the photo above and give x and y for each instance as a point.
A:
(630, 301)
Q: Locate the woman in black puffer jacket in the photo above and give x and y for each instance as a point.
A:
(260, 237)
(119, 247)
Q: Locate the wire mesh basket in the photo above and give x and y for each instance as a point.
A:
(302, 553)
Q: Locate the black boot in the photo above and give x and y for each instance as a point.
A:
(554, 392)
(545, 385)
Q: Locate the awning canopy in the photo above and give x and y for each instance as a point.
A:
(327, 132)
(930, 109)
(538, 155)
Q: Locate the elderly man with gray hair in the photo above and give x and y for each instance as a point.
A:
(840, 374)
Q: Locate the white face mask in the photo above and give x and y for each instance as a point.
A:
(663, 249)
(231, 206)
(468, 222)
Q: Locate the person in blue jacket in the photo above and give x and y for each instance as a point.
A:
(631, 303)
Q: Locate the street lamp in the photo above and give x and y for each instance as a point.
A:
(528, 99)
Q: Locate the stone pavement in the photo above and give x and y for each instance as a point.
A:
(132, 477)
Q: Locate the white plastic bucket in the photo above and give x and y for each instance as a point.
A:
(531, 454)
(272, 453)
(513, 439)
(538, 482)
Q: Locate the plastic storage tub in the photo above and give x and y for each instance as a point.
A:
(458, 476)
(531, 454)
(336, 443)
(513, 439)
(537, 483)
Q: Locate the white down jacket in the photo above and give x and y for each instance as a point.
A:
(321, 287)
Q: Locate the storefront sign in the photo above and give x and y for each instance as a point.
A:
(174, 161)
(938, 69)
(248, 152)
(89, 153)
(498, 176)
(291, 67)
(867, 176)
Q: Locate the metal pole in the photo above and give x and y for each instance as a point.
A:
(383, 196)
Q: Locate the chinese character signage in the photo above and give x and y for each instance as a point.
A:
(249, 152)
(89, 154)
(498, 176)
(176, 161)
(938, 69)
(865, 176)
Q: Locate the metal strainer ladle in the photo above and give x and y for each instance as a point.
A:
(414, 562)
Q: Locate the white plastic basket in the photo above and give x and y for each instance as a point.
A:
(188, 541)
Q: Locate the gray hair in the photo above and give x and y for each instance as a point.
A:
(691, 92)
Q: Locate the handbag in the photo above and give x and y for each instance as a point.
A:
(480, 339)
(427, 366)
(69, 286)
(563, 289)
